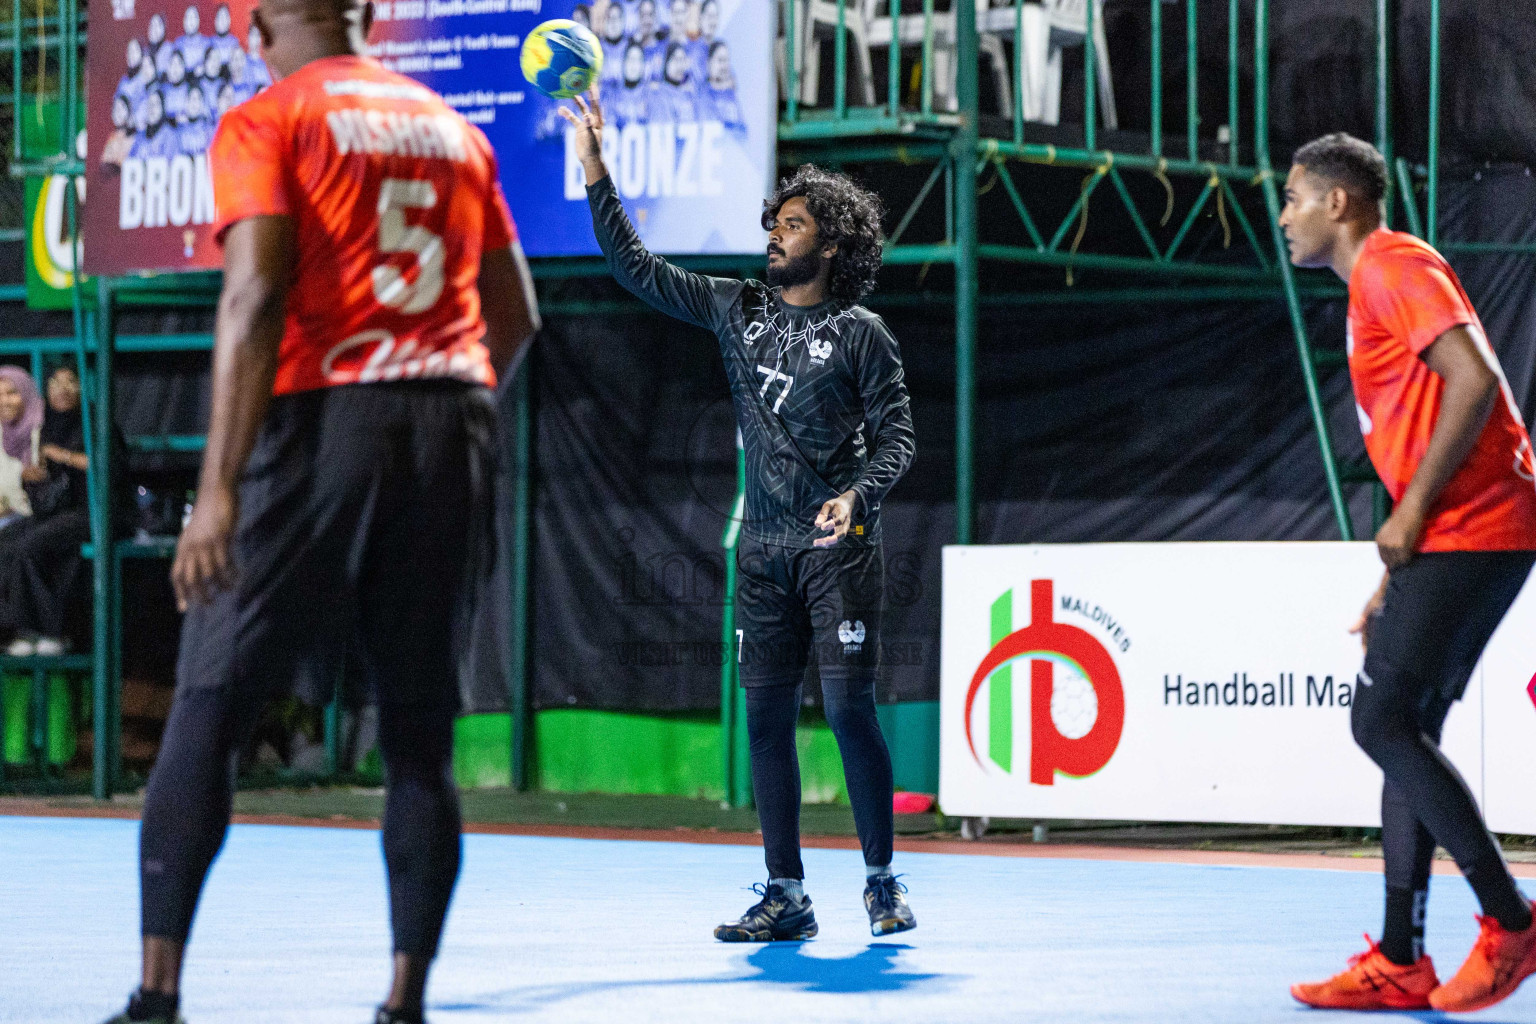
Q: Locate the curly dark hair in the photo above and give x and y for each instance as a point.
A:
(1353, 163)
(846, 216)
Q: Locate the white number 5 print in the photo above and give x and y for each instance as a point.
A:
(396, 195)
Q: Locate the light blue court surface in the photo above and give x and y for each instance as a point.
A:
(293, 929)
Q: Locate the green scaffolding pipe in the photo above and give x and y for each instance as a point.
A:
(922, 197)
(1189, 222)
(840, 61)
(1385, 24)
(1090, 77)
(967, 236)
(1271, 292)
(125, 343)
(518, 703)
(1018, 73)
(1234, 107)
(1491, 248)
(792, 62)
(1040, 153)
(1243, 222)
(168, 443)
(30, 39)
(1192, 74)
(104, 763)
(1018, 204)
(1287, 273)
(1157, 73)
(1082, 200)
(907, 255)
(16, 153)
(1130, 206)
(1410, 204)
(1432, 213)
(729, 647)
(927, 82)
(893, 63)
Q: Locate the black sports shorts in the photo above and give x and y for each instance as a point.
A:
(366, 523)
(1439, 612)
(795, 603)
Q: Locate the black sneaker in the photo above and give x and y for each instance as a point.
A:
(138, 1013)
(774, 918)
(887, 905)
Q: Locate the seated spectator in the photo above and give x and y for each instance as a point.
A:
(21, 420)
(43, 567)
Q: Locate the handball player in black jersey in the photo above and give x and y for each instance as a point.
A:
(825, 421)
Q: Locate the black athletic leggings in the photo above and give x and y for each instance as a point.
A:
(772, 712)
(187, 808)
(1439, 613)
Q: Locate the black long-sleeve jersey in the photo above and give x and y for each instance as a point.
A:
(819, 392)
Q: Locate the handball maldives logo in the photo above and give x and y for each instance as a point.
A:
(1076, 701)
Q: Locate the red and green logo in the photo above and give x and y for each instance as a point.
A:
(1046, 645)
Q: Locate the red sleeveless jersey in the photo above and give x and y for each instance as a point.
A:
(394, 197)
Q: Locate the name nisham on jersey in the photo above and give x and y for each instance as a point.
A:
(394, 132)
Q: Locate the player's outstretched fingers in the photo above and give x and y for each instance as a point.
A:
(597, 102)
(566, 113)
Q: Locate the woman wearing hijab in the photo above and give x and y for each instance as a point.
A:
(21, 420)
(44, 568)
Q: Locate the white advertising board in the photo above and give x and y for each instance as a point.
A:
(1192, 682)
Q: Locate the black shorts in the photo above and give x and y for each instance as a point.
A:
(366, 524)
(1439, 613)
(793, 604)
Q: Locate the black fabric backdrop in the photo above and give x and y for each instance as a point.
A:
(1181, 422)
(1186, 422)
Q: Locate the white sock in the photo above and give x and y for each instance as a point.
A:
(874, 871)
(794, 888)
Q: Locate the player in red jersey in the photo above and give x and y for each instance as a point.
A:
(1444, 433)
(373, 290)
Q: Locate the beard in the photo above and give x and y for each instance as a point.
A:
(794, 271)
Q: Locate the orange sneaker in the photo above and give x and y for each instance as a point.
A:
(1372, 982)
(1500, 960)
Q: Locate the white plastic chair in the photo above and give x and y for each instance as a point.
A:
(989, 45)
(811, 15)
(1069, 24)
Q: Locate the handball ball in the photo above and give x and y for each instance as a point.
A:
(561, 58)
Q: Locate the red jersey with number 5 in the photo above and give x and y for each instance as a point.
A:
(1402, 297)
(394, 197)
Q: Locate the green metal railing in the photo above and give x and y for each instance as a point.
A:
(1173, 259)
(957, 146)
(959, 151)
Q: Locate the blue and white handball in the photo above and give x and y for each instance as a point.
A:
(561, 58)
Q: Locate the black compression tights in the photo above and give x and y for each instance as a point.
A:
(850, 708)
(187, 809)
(1424, 802)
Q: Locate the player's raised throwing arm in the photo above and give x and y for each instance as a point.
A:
(695, 298)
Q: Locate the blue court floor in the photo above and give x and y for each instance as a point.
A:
(292, 928)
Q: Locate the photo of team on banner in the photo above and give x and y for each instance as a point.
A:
(173, 92)
(676, 70)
